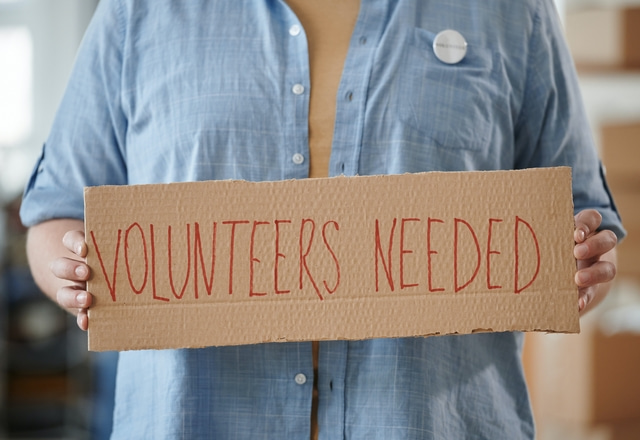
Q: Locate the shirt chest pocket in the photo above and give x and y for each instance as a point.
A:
(451, 105)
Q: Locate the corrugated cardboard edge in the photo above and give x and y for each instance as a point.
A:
(412, 312)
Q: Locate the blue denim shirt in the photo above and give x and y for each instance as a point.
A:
(170, 90)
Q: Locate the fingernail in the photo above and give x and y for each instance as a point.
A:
(81, 320)
(581, 235)
(581, 304)
(581, 250)
(81, 271)
(82, 298)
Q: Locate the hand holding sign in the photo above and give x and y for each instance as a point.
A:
(74, 296)
(595, 252)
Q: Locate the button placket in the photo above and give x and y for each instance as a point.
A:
(296, 77)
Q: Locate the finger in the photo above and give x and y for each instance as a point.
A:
(82, 319)
(73, 297)
(587, 222)
(585, 297)
(69, 269)
(598, 273)
(583, 264)
(596, 245)
(75, 242)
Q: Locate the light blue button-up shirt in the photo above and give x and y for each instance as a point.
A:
(174, 90)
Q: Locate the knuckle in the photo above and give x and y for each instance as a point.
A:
(67, 297)
(73, 241)
(604, 241)
(62, 297)
(58, 267)
(590, 217)
(612, 237)
(597, 217)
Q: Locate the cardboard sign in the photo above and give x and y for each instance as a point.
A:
(234, 262)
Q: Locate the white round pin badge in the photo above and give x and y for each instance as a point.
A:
(450, 46)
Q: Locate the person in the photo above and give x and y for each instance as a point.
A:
(168, 91)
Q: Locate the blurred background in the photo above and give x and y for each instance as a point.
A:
(583, 387)
(587, 386)
(50, 386)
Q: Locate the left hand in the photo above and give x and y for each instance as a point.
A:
(596, 255)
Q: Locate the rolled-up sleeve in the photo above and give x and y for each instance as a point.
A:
(86, 143)
(552, 127)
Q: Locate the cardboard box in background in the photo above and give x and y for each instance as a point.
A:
(586, 386)
(234, 262)
(605, 431)
(621, 157)
(604, 38)
(628, 203)
(621, 154)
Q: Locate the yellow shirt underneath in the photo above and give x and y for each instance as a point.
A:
(328, 25)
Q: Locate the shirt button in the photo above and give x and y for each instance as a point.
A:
(298, 89)
(297, 158)
(295, 30)
(300, 379)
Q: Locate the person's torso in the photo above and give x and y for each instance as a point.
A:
(228, 96)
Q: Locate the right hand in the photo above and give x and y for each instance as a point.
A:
(74, 297)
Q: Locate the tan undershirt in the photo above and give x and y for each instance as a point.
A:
(328, 25)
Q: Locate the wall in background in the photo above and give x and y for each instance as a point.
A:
(48, 33)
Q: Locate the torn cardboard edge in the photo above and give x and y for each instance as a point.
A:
(233, 262)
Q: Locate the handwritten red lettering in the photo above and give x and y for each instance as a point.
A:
(233, 224)
(198, 255)
(126, 258)
(279, 256)
(491, 252)
(403, 252)
(429, 253)
(333, 256)
(517, 288)
(153, 266)
(320, 260)
(110, 285)
(378, 252)
(305, 254)
(456, 222)
(253, 259)
(188, 271)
